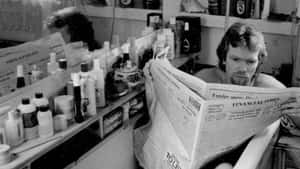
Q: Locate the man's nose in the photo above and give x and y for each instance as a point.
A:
(243, 66)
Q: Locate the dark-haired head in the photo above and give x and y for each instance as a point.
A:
(241, 35)
(75, 24)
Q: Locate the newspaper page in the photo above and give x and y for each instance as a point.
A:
(222, 91)
(199, 126)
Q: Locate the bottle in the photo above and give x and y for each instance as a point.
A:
(242, 8)
(39, 100)
(35, 74)
(45, 120)
(14, 129)
(159, 44)
(107, 57)
(70, 85)
(213, 7)
(20, 77)
(100, 83)
(29, 116)
(151, 4)
(62, 67)
(84, 75)
(115, 42)
(171, 43)
(185, 43)
(88, 96)
(176, 38)
(62, 64)
(91, 97)
(77, 98)
(52, 65)
(133, 51)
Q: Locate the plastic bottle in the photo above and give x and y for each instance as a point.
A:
(39, 100)
(52, 65)
(14, 129)
(159, 44)
(170, 41)
(186, 44)
(100, 83)
(91, 95)
(173, 27)
(77, 98)
(107, 57)
(62, 67)
(88, 96)
(29, 116)
(20, 77)
(35, 74)
(70, 85)
(133, 51)
(84, 75)
(45, 120)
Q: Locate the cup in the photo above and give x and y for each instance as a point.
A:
(5, 155)
(64, 104)
(60, 122)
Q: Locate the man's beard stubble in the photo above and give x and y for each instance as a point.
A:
(241, 79)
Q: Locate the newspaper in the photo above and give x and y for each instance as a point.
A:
(194, 121)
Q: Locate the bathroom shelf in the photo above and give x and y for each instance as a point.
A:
(272, 27)
(119, 13)
(27, 156)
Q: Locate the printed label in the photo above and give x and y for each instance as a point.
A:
(172, 161)
(30, 119)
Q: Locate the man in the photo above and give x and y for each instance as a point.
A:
(73, 26)
(241, 53)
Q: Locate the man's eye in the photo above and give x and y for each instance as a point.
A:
(250, 62)
(235, 59)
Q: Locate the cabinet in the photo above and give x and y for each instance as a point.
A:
(286, 153)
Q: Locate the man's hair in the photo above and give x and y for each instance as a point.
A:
(242, 35)
(78, 26)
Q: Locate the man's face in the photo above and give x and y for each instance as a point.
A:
(241, 64)
(66, 36)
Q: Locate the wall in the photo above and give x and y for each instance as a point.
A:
(122, 27)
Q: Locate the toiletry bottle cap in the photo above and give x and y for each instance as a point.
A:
(106, 45)
(96, 63)
(34, 67)
(38, 95)
(25, 100)
(62, 63)
(125, 57)
(76, 79)
(44, 108)
(84, 67)
(20, 72)
(172, 21)
(115, 41)
(72, 76)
